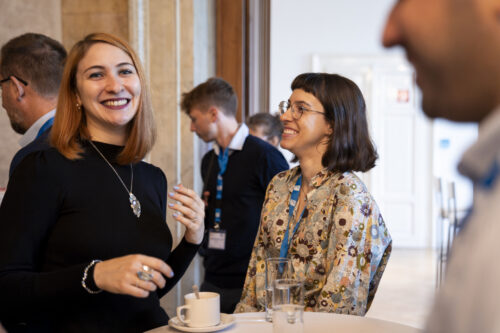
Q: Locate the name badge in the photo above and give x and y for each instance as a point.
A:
(217, 239)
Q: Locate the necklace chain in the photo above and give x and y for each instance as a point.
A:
(134, 203)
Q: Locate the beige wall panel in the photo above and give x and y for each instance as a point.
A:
(77, 26)
(163, 84)
(186, 84)
(162, 37)
(186, 67)
(81, 17)
(164, 71)
(18, 17)
(94, 6)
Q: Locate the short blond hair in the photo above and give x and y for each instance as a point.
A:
(70, 125)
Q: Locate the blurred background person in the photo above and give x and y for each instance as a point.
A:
(31, 67)
(84, 243)
(320, 214)
(235, 176)
(267, 127)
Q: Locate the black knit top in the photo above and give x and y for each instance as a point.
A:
(57, 215)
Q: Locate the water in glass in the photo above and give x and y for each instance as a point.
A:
(276, 268)
(288, 318)
(269, 304)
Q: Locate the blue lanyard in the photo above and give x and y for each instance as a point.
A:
(223, 158)
(44, 127)
(285, 244)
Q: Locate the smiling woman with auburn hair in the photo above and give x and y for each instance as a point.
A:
(70, 124)
(84, 243)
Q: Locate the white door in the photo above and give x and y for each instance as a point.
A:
(401, 183)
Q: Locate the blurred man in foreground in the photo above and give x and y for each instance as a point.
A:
(454, 46)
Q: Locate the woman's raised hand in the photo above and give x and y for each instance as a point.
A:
(190, 211)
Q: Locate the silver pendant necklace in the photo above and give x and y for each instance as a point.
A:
(134, 203)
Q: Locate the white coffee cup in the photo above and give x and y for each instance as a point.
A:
(202, 312)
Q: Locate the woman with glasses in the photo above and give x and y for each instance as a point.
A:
(320, 214)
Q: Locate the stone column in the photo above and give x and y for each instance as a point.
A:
(163, 33)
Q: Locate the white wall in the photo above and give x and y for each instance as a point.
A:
(301, 28)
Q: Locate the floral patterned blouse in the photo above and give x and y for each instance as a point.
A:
(339, 250)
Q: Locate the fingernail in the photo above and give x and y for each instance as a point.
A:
(176, 187)
(170, 205)
(175, 214)
(171, 274)
(171, 194)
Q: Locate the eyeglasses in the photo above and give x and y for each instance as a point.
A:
(17, 77)
(297, 109)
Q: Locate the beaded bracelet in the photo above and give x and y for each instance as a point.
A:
(84, 278)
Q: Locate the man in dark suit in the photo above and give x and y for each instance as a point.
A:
(235, 173)
(31, 67)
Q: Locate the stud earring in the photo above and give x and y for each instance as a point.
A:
(79, 107)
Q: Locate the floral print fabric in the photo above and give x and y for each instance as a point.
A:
(340, 249)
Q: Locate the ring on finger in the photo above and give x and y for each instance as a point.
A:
(145, 274)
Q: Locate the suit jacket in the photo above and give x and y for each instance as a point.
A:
(40, 143)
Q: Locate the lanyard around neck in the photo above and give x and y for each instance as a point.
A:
(223, 158)
(44, 127)
(285, 244)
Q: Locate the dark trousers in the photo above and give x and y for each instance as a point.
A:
(228, 297)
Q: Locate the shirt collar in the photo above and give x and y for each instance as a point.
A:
(319, 179)
(32, 132)
(478, 159)
(237, 141)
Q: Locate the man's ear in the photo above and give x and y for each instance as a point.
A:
(214, 113)
(20, 92)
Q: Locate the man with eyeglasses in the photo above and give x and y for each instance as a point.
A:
(31, 67)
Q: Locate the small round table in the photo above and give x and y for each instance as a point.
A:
(314, 322)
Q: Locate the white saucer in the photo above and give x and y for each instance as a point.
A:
(226, 320)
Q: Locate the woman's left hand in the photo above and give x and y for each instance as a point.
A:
(190, 211)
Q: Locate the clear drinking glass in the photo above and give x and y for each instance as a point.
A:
(276, 268)
(288, 306)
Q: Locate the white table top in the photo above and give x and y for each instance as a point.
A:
(314, 322)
